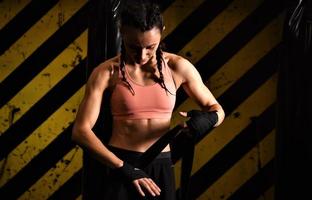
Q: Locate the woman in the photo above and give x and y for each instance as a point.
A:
(143, 81)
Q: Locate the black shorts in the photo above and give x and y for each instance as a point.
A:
(113, 186)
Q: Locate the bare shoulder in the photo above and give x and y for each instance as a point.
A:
(182, 68)
(177, 63)
(101, 75)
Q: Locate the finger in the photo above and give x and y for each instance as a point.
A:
(138, 187)
(154, 184)
(150, 187)
(183, 114)
(146, 185)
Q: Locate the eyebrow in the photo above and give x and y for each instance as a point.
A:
(136, 46)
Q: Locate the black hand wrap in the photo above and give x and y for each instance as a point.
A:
(201, 122)
(131, 172)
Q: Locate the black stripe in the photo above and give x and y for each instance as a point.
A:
(236, 94)
(194, 23)
(163, 5)
(257, 185)
(14, 29)
(44, 55)
(233, 42)
(38, 166)
(247, 84)
(232, 152)
(71, 189)
(42, 109)
(250, 81)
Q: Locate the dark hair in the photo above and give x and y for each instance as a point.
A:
(143, 15)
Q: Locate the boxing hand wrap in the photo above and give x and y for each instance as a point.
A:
(201, 122)
(131, 172)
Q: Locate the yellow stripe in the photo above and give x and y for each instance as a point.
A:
(55, 177)
(243, 170)
(44, 81)
(248, 56)
(177, 12)
(9, 9)
(232, 71)
(40, 138)
(210, 36)
(37, 35)
(79, 198)
(254, 105)
(209, 146)
(215, 31)
(239, 64)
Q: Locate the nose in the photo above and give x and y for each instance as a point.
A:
(142, 54)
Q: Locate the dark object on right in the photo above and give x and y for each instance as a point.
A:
(294, 91)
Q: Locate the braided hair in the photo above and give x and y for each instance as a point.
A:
(143, 15)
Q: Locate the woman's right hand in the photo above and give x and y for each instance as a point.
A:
(140, 179)
(146, 184)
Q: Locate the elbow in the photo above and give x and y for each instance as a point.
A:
(76, 134)
(80, 133)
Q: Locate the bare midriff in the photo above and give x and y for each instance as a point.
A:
(138, 134)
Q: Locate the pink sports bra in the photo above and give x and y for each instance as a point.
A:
(148, 102)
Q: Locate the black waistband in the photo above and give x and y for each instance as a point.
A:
(135, 154)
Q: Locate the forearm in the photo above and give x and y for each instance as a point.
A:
(219, 110)
(89, 141)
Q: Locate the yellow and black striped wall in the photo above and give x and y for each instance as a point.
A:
(43, 50)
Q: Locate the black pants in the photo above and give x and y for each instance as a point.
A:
(114, 186)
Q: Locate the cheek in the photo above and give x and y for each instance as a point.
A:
(131, 52)
(150, 52)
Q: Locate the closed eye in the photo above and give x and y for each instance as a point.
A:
(150, 47)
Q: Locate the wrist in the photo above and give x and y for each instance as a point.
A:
(218, 117)
(130, 172)
(201, 122)
(118, 164)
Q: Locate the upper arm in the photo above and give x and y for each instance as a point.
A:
(193, 84)
(90, 105)
(195, 88)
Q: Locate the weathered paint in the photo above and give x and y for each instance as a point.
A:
(37, 35)
(10, 8)
(194, 50)
(216, 30)
(245, 168)
(44, 81)
(177, 12)
(55, 177)
(40, 138)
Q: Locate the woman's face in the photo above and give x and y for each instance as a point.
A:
(140, 46)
